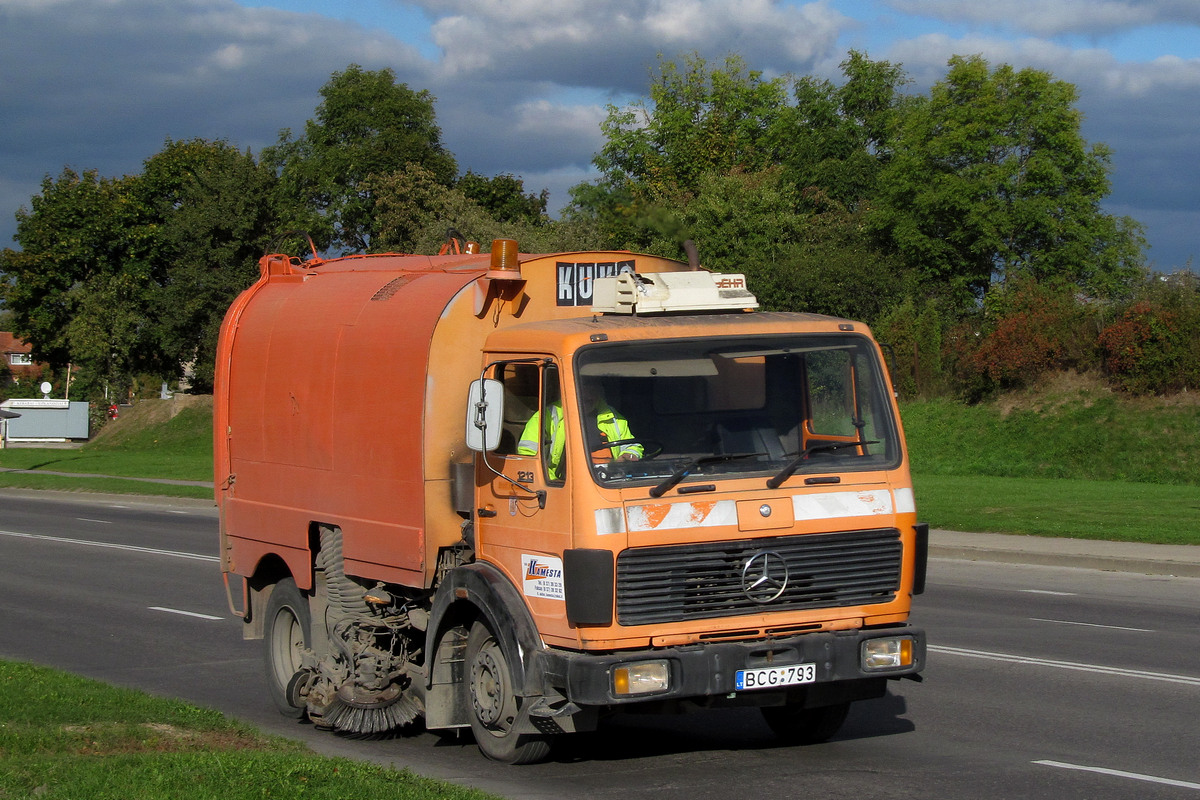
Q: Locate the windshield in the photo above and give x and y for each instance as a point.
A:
(687, 412)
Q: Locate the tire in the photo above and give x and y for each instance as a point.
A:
(796, 725)
(287, 633)
(492, 702)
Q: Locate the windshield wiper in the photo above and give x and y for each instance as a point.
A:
(786, 472)
(681, 473)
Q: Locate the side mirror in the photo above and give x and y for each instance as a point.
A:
(485, 411)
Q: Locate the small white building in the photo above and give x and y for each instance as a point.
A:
(46, 420)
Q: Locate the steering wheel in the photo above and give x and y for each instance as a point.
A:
(651, 447)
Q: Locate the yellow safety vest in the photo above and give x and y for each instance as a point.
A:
(613, 427)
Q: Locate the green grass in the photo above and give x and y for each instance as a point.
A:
(21, 480)
(1127, 512)
(180, 449)
(1081, 437)
(63, 737)
(1083, 463)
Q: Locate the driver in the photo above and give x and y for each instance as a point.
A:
(610, 425)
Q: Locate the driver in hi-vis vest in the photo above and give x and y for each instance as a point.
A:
(612, 427)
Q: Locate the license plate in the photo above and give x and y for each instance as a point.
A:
(771, 677)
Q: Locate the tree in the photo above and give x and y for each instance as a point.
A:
(366, 125)
(504, 197)
(133, 276)
(990, 177)
(699, 120)
(78, 289)
(836, 138)
(213, 216)
(415, 212)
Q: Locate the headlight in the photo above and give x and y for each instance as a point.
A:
(889, 652)
(643, 677)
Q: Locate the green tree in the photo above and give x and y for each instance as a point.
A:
(79, 288)
(835, 138)
(415, 213)
(763, 184)
(132, 276)
(991, 178)
(212, 217)
(698, 120)
(504, 197)
(366, 125)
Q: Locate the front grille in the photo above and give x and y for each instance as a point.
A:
(700, 581)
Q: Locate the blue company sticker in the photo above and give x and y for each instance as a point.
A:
(542, 576)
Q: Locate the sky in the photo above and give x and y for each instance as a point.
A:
(521, 86)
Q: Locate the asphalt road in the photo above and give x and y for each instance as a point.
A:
(1043, 682)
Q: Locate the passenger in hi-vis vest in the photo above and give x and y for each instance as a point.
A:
(612, 427)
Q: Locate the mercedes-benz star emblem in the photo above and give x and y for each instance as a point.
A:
(764, 576)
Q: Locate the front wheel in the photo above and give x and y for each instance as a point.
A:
(287, 635)
(493, 703)
(805, 725)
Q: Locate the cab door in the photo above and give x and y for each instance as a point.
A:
(523, 522)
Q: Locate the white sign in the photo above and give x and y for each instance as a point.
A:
(542, 577)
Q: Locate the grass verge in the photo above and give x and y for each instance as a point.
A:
(1078, 462)
(179, 448)
(103, 485)
(63, 737)
(1110, 510)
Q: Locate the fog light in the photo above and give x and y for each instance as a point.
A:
(891, 652)
(645, 677)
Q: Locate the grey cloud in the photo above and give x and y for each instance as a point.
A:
(1055, 17)
(520, 85)
(103, 85)
(613, 43)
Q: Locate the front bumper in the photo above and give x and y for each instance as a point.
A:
(707, 670)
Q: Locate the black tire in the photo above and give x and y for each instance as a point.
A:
(287, 632)
(796, 725)
(492, 702)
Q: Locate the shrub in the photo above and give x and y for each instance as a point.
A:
(1142, 350)
(1028, 329)
(916, 332)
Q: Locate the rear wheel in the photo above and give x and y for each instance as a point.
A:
(805, 725)
(493, 703)
(287, 635)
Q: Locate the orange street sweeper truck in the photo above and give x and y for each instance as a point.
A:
(514, 493)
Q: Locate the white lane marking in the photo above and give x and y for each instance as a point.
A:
(184, 613)
(1187, 680)
(100, 521)
(1091, 625)
(111, 546)
(1121, 774)
(1047, 591)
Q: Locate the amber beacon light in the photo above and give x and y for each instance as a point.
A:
(505, 264)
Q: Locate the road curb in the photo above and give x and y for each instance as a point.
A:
(1147, 559)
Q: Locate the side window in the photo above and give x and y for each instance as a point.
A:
(520, 402)
(533, 416)
(553, 427)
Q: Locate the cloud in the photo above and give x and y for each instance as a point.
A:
(1057, 17)
(613, 43)
(102, 85)
(521, 85)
